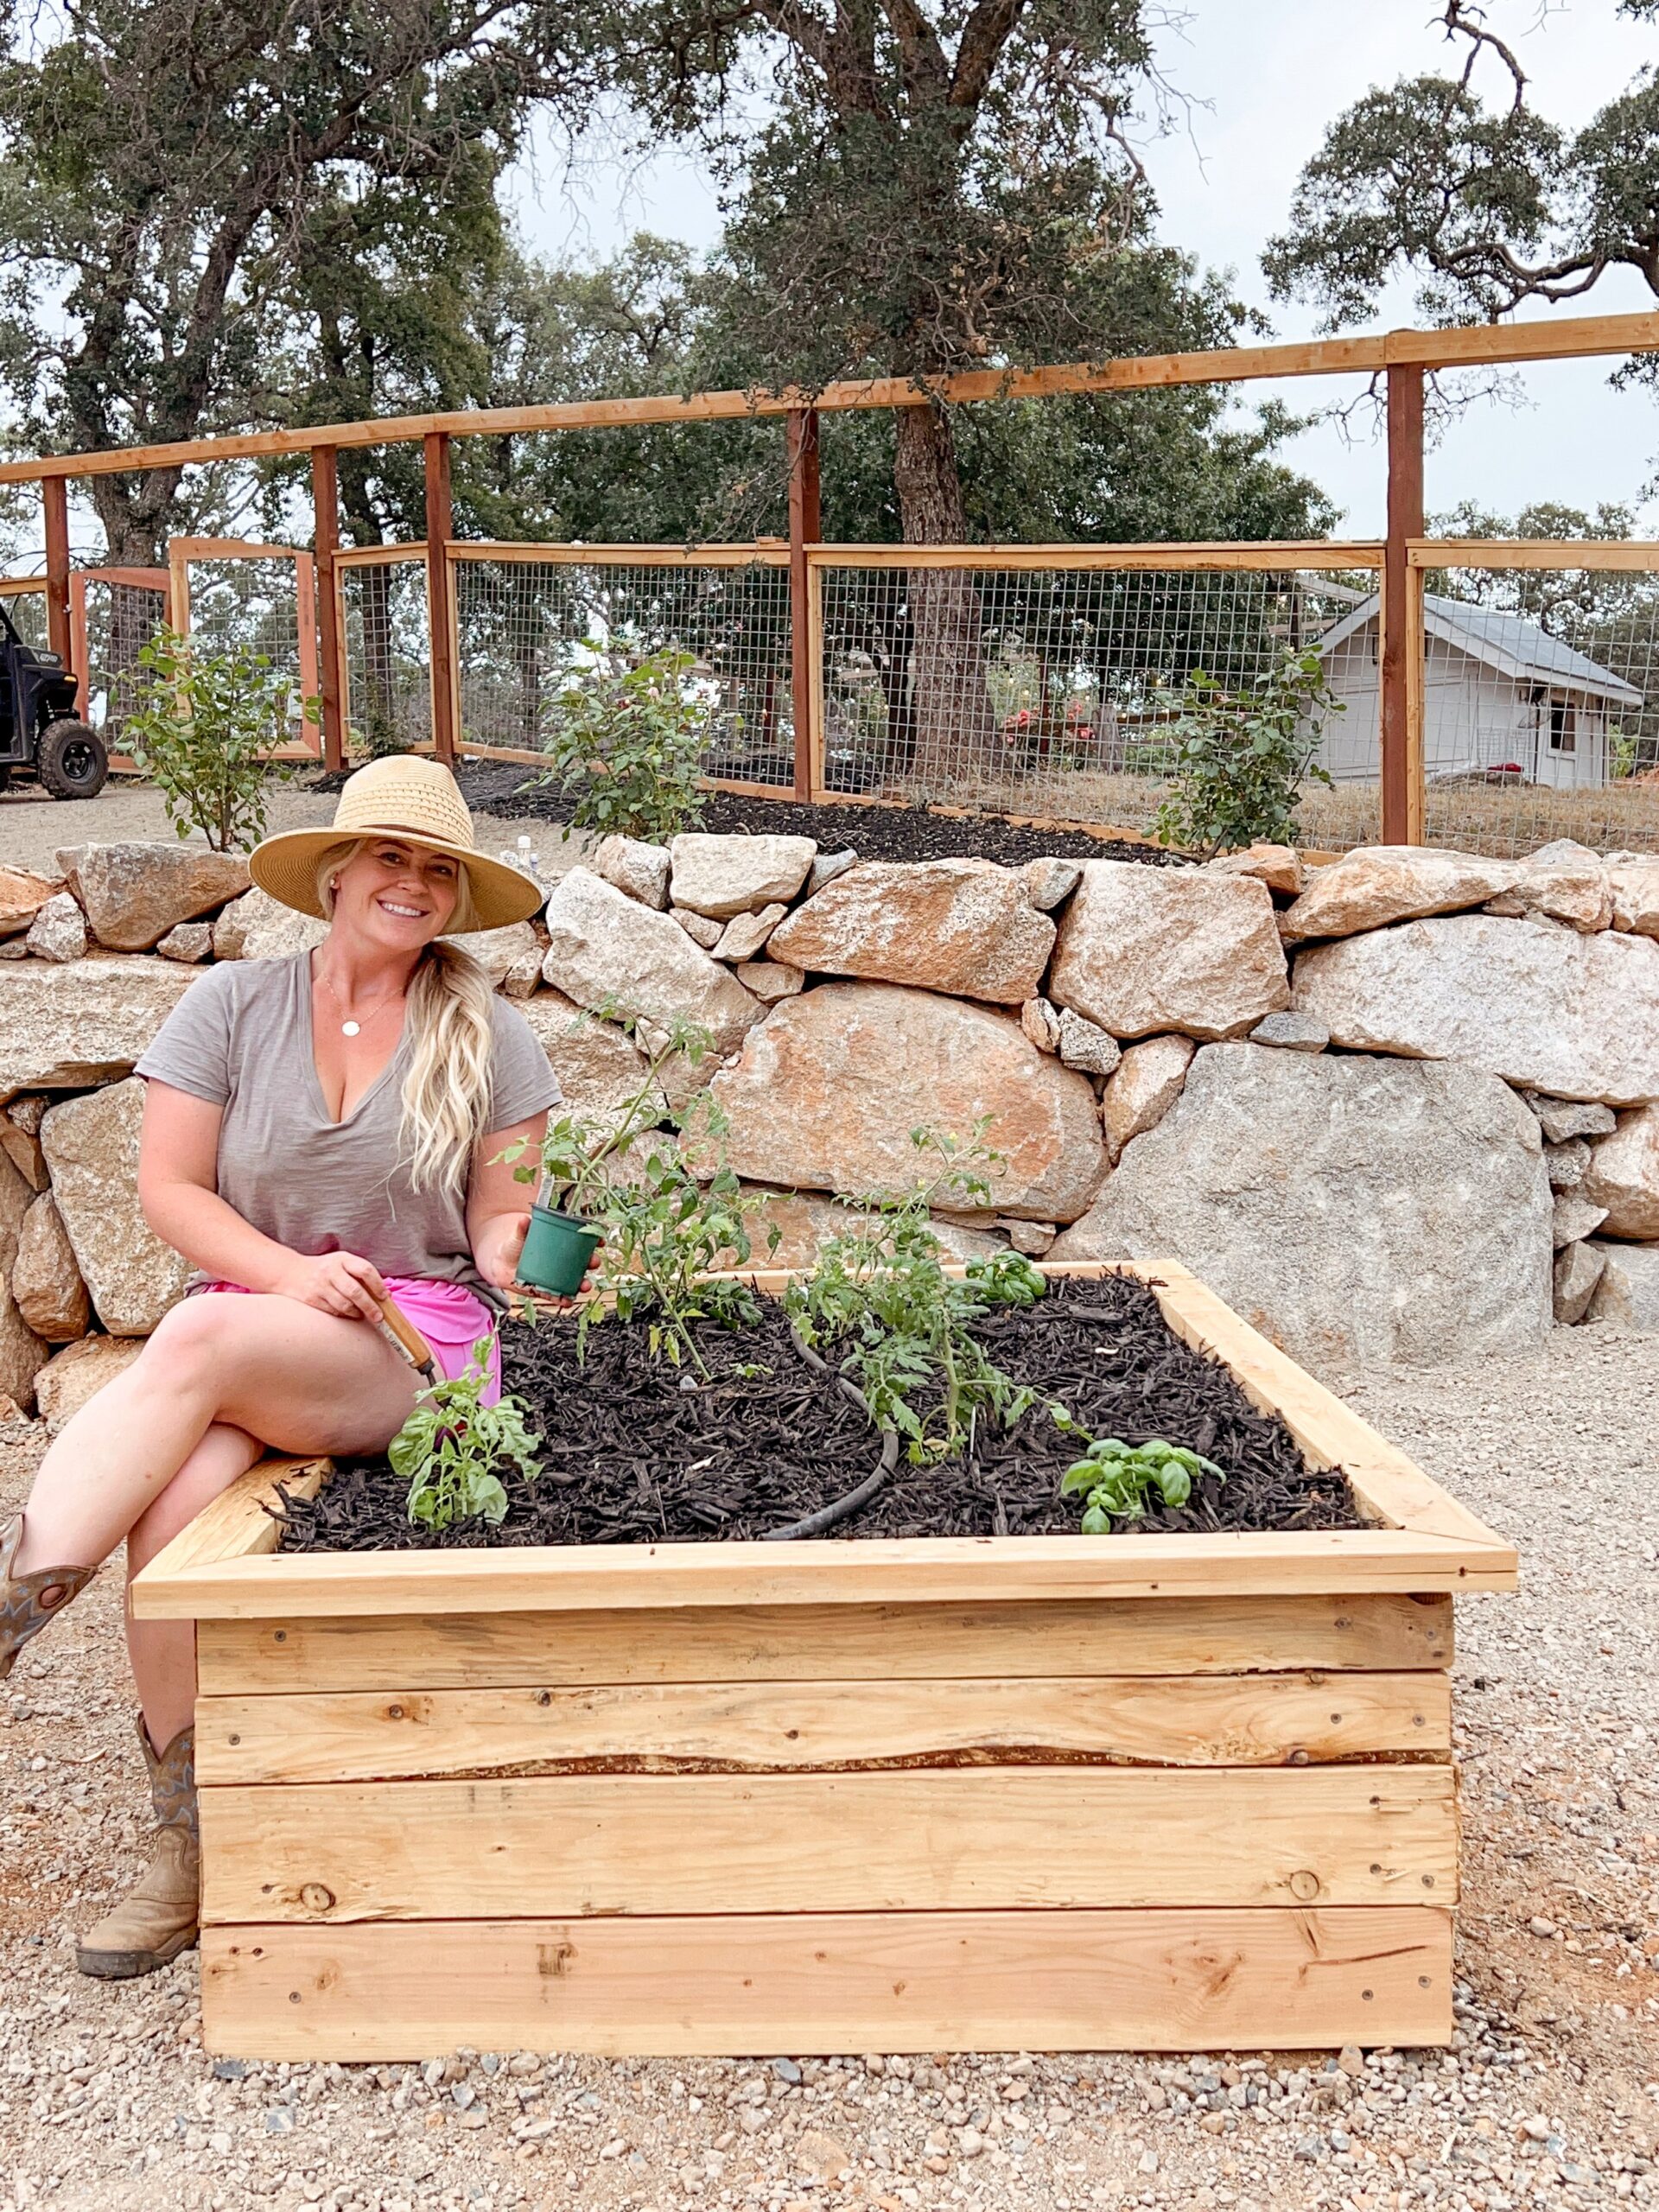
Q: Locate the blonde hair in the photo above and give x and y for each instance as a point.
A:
(450, 1027)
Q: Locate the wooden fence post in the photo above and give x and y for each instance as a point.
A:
(805, 525)
(55, 498)
(440, 595)
(325, 499)
(1401, 699)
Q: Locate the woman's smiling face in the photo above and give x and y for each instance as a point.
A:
(397, 895)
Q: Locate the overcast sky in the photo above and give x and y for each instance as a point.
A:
(1267, 76)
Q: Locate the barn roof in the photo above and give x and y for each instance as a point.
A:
(1507, 643)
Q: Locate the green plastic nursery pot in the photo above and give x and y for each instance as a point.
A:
(557, 1252)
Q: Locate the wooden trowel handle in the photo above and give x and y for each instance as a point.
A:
(409, 1337)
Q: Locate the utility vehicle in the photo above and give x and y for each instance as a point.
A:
(41, 734)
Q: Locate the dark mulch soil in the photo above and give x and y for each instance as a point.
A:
(875, 833)
(629, 1456)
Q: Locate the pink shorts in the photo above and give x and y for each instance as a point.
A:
(450, 1317)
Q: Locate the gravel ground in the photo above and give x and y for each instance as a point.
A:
(1550, 2096)
(33, 826)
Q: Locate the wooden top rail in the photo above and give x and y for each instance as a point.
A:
(1533, 553)
(1570, 338)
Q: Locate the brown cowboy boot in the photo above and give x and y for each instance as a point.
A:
(156, 1919)
(28, 1601)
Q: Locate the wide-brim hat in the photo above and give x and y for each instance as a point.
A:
(403, 796)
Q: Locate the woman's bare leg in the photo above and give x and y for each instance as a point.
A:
(163, 1652)
(298, 1379)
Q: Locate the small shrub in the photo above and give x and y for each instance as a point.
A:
(628, 749)
(1240, 757)
(452, 1446)
(1116, 1480)
(202, 717)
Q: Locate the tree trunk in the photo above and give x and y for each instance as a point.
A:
(954, 728)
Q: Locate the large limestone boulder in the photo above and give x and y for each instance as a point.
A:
(80, 1372)
(92, 1149)
(1358, 1210)
(599, 1067)
(1146, 1084)
(133, 894)
(65, 1028)
(805, 1224)
(22, 895)
(1144, 950)
(635, 867)
(1628, 1290)
(965, 927)
(22, 1354)
(604, 947)
(1623, 1175)
(256, 928)
(826, 1094)
(1542, 1006)
(1279, 866)
(498, 952)
(1635, 888)
(723, 876)
(1561, 882)
(45, 1279)
(1376, 885)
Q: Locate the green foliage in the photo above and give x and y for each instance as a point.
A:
(1240, 756)
(202, 715)
(628, 748)
(880, 1303)
(451, 1448)
(1116, 1480)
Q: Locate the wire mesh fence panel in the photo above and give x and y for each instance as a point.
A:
(114, 619)
(387, 650)
(534, 632)
(1540, 703)
(25, 602)
(264, 602)
(1064, 690)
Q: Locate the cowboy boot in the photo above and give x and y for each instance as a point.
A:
(28, 1601)
(156, 1919)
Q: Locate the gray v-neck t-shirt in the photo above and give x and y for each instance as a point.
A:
(240, 1038)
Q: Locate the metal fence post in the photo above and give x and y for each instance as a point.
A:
(440, 595)
(1402, 688)
(805, 525)
(325, 497)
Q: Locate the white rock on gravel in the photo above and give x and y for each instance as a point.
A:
(1622, 1174)
(59, 930)
(66, 1028)
(46, 1281)
(634, 866)
(722, 876)
(1268, 1177)
(92, 1149)
(1627, 1292)
(1578, 1271)
(965, 927)
(1376, 885)
(1144, 950)
(133, 892)
(1542, 1006)
(826, 1092)
(1146, 1084)
(605, 947)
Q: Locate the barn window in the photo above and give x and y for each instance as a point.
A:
(1563, 734)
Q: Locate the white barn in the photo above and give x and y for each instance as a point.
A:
(1500, 694)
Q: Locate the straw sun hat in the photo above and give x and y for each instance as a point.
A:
(406, 797)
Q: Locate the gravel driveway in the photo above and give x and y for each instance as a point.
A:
(1551, 2096)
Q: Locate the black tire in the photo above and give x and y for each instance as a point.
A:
(73, 763)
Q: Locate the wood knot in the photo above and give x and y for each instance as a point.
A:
(1304, 1885)
(315, 1898)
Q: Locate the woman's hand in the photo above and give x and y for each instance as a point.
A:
(496, 1246)
(335, 1282)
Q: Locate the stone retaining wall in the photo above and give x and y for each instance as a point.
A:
(1402, 1108)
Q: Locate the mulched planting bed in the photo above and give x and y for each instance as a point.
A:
(629, 1456)
(875, 833)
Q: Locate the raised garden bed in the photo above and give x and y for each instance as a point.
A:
(1178, 1790)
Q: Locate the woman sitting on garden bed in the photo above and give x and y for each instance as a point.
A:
(320, 1132)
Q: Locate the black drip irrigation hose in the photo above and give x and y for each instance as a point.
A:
(839, 1507)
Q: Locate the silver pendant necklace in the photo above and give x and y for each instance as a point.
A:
(350, 1028)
